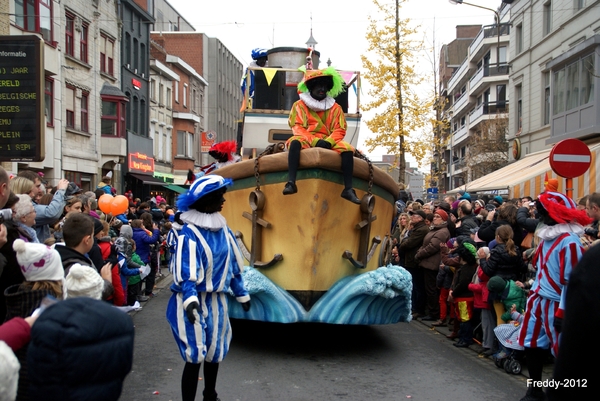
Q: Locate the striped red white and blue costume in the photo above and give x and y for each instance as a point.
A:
(557, 254)
(207, 263)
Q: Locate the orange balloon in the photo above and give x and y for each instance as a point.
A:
(104, 203)
(119, 205)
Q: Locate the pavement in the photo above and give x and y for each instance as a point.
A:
(477, 349)
(162, 284)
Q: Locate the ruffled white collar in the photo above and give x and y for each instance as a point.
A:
(550, 232)
(317, 105)
(208, 221)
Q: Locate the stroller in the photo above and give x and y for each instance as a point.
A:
(511, 353)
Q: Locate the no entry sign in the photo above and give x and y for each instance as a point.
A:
(570, 158)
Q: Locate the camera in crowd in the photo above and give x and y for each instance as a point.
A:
(489, 207)
(592, 232)
(5, 215)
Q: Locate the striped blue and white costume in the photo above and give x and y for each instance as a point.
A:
(207, 263)
(555, 257)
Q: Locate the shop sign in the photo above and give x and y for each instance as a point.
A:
(141, 162)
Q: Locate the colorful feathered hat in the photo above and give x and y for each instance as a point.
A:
(336, 78)
(222, 149)
(562, 209)
(201, 187)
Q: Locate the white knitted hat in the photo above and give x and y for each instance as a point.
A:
(84, 281)
(9, 373)
(38, 262)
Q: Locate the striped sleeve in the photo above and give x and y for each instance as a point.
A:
(569, 257)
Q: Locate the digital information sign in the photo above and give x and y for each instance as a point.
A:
(22, 122)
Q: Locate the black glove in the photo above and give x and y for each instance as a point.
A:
(592, 232)
(189, 311)
(558, 324)
(323, 144)
(246, 306)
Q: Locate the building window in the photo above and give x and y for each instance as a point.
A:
(500, 95)
(587, 79)
(161, 89)
(107, 46)
(69, 37)
(83, 43)
(70, 106)
(558, 95)
(519, 93)
(167, 138)
(185, 91)
(546, 79)
(519, 38)
(547, 17)
(49, 101)
(572, 89)
(84, 112)
(168, 98)
(35, 16)
(113, 117)
(573, 85)
(127, 49)
(579, 4)
(184, 144)
(176, 92)
(502, 55)
(153, 90)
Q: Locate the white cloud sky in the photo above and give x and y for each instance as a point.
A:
(339, 27)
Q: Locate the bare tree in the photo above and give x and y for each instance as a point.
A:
(488, 148)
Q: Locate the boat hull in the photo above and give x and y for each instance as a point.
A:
(312, 230)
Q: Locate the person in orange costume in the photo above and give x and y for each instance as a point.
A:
(318, 121)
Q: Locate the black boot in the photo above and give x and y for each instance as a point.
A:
(347, 170)
(293, 162)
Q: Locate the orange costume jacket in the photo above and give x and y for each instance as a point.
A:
(309, 126)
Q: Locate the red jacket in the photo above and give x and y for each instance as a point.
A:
(118, 298)
(480, 290)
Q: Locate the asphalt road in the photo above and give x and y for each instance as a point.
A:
(302, 362)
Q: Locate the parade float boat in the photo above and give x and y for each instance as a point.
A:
(312, 256)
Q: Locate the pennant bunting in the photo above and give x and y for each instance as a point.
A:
(347, 76)
(354, 87)
(269, 74)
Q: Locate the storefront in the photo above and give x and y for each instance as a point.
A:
(525, 177)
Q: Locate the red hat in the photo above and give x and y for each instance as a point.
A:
(562, 209)
(442, 214)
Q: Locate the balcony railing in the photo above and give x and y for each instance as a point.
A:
(488, 31)
(460, 102)
(488, 108)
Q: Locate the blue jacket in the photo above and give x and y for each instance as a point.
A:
(46, 214)
(143, 242)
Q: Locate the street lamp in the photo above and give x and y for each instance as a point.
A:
(497, 15)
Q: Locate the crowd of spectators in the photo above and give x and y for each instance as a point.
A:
(480, 264)
(66, 264)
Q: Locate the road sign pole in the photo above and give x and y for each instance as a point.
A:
(569, 185)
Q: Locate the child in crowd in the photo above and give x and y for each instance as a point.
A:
(509, 293)
(444, 280)
(109, 255)
(480, 302)
(460, 294)
(44, 275)
(127, 266)
(134, 283)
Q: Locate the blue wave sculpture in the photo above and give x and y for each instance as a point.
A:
(381, 296)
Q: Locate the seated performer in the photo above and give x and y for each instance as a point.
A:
(318, 121)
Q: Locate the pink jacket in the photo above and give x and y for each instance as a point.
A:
(480, 291)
